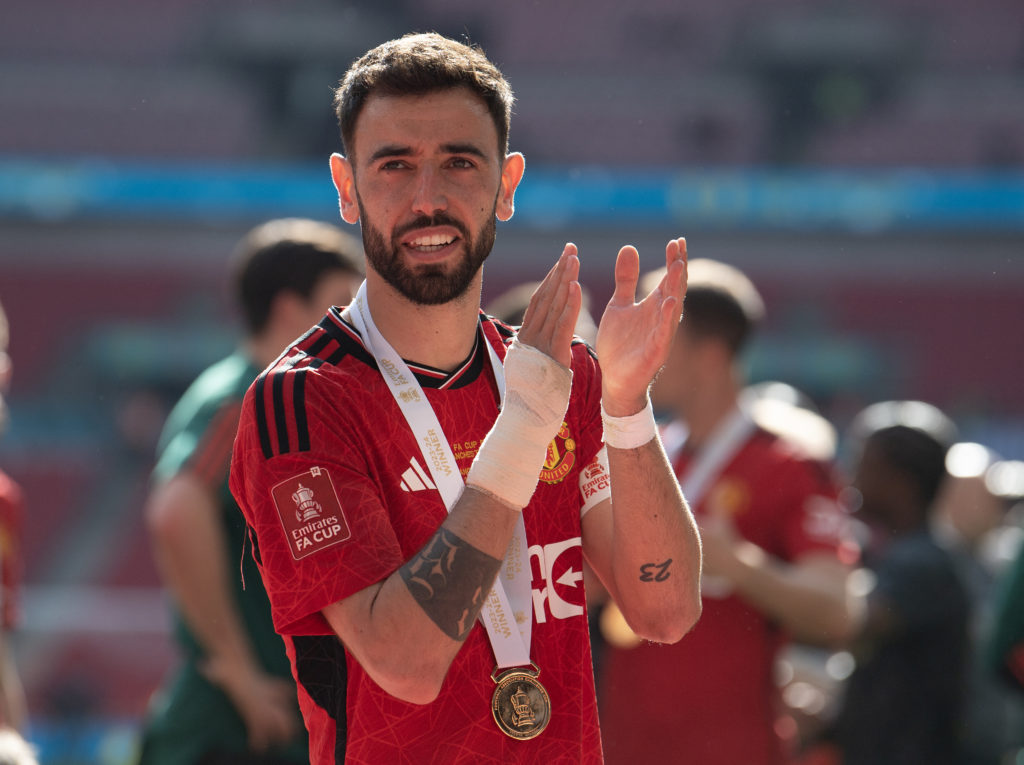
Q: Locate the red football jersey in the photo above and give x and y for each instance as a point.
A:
(711, 698)
(333, 486)
(10, 550)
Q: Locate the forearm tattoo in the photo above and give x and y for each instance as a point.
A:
(450, 579)
(655, 572)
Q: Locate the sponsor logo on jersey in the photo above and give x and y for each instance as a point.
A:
(560, 457)
(559, 568)
(310, 512)
(594, 481)
(415, 478)
(824, 520)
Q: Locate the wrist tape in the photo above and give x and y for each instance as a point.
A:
(629, 432)
(509, 461)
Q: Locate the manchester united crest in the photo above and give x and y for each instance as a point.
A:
(560, 458)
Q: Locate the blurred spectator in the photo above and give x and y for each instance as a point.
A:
(971, 520)
(234, 700)
(14, 750)
(774, 552)
(903, 703)
(13, 710)
(510, 307)
(1005, 648)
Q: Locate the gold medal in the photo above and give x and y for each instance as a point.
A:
(520, 705)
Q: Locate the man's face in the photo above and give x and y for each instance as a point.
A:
(674, 385)
(427, 283)
(873, 478)
(426, 181)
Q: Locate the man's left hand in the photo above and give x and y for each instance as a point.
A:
(633, 339)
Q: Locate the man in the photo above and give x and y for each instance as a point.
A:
(351, 452)
(773, 565)
(904, 701)
(13, 711)
(233, 698)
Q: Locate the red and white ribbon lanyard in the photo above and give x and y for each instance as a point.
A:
(509, 604)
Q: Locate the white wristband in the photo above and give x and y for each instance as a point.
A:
(631, 431)
(508, 463)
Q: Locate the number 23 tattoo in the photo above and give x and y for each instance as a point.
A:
(655, 572)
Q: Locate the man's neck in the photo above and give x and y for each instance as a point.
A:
(438, 336)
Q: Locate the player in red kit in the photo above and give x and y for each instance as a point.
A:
(775, 556)
(423, 483)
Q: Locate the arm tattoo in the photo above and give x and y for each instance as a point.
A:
(655, 572)
(450, 579)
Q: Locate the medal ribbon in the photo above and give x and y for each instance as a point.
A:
(721, 446)
(511, 646)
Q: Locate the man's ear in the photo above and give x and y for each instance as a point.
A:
(345, 183)
(512, 170)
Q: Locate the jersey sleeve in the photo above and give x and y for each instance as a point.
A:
(11, 518)
(812, 518)
(594, 482)
(319, 527)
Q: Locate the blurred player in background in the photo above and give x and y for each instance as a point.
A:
(13, 710)
(904, 702)
(233, 699)
(776, 559)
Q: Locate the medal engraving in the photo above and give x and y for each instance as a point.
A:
(520, 705)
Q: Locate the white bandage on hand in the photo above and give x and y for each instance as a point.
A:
(629, 432)
(509, 461)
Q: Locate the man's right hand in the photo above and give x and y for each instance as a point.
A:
(554, 307)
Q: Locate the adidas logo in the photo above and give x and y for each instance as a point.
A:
(415, 478)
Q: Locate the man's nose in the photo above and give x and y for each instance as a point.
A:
(429, 197)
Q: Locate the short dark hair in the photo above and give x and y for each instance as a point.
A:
(417, 64)
(288, 255)
(912, 437)
(721, 302)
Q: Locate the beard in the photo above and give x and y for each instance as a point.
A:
(428, 283)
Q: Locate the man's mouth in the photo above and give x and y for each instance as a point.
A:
(431, 242)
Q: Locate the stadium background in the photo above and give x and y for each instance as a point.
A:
(862, 161)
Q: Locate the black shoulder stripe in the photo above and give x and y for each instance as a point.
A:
(275, 436)
(299, 403)
(317, 346)
(280, 419)
(347, 345)
(261, 416)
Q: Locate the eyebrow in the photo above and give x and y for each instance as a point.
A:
(463, 148)
(397, 150)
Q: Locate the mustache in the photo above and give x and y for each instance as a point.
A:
(425, 221)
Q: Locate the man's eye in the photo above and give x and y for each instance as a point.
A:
(394, 164)
(461, 162)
